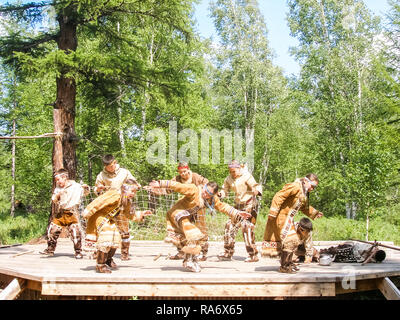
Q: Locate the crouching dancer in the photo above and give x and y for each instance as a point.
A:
(183, 215)
(102, 216)
(305, 252)
(66, 199)
(112, 177)
(298, 242)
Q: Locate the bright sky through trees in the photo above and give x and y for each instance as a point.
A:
(274, 12)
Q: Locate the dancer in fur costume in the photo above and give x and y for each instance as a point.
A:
(183, 214)
(285, 205)
(103, 216)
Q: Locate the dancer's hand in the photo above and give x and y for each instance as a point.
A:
(154, 184)
(221, 194)
(255, 192)
(86, 189)
(244, 214)
(147, 213)
(307, 259)
(319, 215)
(100, 188)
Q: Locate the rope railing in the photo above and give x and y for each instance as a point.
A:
(44, 135)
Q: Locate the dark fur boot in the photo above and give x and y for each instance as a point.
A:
(101, 266)
(110, 262)
(286, 262)
(125, 250)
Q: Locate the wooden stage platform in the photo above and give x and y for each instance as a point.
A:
(149, 275)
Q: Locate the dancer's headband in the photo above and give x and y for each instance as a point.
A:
(208, 191)
(313, 183)
(234, 165)
(61, 174)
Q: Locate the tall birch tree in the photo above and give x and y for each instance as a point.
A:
(338, 49)
(247, 86)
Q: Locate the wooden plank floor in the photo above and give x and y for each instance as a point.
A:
(62, 274)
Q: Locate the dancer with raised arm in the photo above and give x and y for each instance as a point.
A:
(183, 214)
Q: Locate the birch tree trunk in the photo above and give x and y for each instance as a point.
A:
(13, 172)
(121, 131)
(146, 93)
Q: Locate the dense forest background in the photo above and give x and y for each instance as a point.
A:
(135, 66)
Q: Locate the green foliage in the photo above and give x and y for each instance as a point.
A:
(351, 147)
(22, 228)
(123, 84)
(140, 65)
(340, 228)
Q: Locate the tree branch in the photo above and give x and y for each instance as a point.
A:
(393, 121)
(10, 44)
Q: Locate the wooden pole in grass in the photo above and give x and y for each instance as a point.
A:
(13, 172)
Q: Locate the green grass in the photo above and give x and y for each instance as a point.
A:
(24, 227)
(325, 229)
(340, 228)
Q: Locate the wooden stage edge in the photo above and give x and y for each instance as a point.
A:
(25, 274)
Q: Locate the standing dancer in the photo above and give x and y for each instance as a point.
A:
(66, 197)
(246, 190)
(186, 176)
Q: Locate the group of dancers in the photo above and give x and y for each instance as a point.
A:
(108, 215)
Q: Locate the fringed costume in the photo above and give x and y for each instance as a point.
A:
(285, 205)
(245, 200)
(184, 222)
(305, 250)
(197, 180)
(114, 181)
(297, 246)
(104, 215)
(67, 201)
